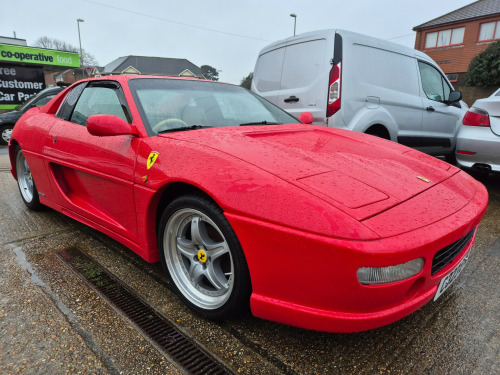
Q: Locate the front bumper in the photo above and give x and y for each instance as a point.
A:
(310, 281)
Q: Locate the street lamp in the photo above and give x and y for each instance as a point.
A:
(294, 22)
(80, 39)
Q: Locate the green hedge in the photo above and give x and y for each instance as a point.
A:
(484, 69)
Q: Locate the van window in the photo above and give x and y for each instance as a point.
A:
(297, 56)
(267, 74)
(383, 69)
(433, 83)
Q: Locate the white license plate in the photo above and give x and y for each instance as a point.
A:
(450, 278)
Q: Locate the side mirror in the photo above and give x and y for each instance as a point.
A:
(109, 125)
(455, 96)
(306, 118)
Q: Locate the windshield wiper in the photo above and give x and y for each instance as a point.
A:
(191, 127)
(261, 123)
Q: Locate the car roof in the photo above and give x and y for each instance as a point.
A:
(122, 78)
(51, 88)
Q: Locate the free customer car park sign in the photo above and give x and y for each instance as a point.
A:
(22, 71)
(18, 84)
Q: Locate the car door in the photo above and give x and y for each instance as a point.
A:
(440, 119)
(92, 176)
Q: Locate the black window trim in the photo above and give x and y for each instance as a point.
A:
(104, 83)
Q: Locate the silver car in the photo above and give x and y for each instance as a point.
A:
(478, 140)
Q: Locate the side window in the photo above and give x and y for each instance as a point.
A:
(66, 107)
(433, 83)
(44, 100)
(97, 100)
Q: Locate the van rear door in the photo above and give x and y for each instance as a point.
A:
(304, 79)
(267, 73)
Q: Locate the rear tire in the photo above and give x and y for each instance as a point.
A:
(5, 133)
(25, 182)
(203, 258)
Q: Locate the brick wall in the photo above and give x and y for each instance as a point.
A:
(471, 94)
(456, 59)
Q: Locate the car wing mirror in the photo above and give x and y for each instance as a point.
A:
(109, 125)
(454, 97)
(306, 118)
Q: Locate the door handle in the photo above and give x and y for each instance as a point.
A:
(430, 108)
(292, 99)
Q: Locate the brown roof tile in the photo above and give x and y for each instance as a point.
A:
(477, 9)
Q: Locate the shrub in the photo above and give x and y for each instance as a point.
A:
(484, 69)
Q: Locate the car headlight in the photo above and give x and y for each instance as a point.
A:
(383, 275)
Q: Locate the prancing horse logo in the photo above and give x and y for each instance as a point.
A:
(202, 256)
(151, 159)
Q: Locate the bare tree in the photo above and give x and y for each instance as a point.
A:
(52, 43)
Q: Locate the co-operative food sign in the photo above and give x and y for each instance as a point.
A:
(29, 55)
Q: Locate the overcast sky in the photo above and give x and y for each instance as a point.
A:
(226, 34)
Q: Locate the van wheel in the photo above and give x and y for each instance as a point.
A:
(379, 131)
(451, 158)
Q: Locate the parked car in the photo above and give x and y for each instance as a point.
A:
(9, 119)
(356, 82)
(478, 141)
(320, 228)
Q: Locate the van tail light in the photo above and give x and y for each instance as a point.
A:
(334, 91)
(476, 117)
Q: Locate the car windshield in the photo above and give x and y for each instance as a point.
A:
(168, 105)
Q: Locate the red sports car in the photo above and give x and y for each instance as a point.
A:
(318, 228)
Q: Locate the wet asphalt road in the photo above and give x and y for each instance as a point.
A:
(51, 322)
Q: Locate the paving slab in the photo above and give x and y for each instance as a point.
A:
(52, 322)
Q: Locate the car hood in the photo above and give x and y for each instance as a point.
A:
(359, 174)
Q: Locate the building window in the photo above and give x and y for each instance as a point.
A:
(452, 77)
(444, 38)
(489, 31)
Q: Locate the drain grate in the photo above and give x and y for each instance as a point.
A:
(189, 355)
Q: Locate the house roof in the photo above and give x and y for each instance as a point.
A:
(477, 9)
(152, 65)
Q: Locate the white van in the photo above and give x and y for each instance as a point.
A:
(353, 81)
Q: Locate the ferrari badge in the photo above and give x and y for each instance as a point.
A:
(424, 179)
(152, 158)
(202, 256)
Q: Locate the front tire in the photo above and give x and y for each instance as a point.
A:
(203, 258)
(25, 182)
